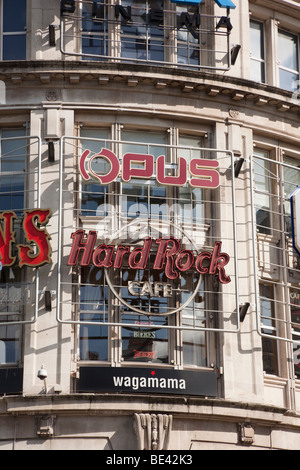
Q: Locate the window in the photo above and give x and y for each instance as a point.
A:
(13, 28)
(263, 180)
(291, 182)
(12, 170)
(153, 32)
(94, 196)
(135, 210)
(188, 35)
(288, 60)
(95, 29)
(143, 37)
(295, 319)
(14, 291)
(268, 315)
(257, 53)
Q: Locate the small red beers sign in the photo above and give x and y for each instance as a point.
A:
(198, 172)
(169, 256)
(38, 250)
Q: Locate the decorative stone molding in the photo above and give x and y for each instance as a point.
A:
(246, 434)
(45, 426)
(152, 430)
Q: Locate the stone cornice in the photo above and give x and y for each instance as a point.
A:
(87, 74)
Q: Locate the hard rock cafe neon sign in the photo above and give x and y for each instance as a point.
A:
(169, 258)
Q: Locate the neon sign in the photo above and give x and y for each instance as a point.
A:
(199, 173)
(169, 258)
(38, 250)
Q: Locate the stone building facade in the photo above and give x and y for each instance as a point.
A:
(149, 276)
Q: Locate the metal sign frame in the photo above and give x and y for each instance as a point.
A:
(227, 154)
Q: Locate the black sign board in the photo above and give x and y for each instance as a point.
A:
(150, 380)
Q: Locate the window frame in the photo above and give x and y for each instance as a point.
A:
(4, 34)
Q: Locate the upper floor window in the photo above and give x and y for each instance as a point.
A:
(257, 52)
(146, 31)
(288, 60)
(13, 29)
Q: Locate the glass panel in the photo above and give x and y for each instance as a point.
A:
(13, 296)
(269, 346)
(288, 50)
(95, 29)
(288, 80)
(291, 182)
(140, 199)
(14, 15)
(194, 343)
(257, 71)
(94, 196)
(257, 53)
(12, 176)
(14, 47)
(188, 48)
(143, 37)
(262, 197)
(93, 308)
(295, 318)
(256, 40)
(145, 344)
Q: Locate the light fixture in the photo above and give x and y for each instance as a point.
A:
(238, 166)
(48, 303)
(51, 158)
(235, 52)
(243, 311)
(52, 41)
(67, 6)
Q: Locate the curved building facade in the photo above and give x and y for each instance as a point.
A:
(149, 237)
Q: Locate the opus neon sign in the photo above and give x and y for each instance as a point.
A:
(199, 173)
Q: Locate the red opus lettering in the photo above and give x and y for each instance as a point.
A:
(169, 256)
(203, 173)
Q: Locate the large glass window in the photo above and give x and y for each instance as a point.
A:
(143, 36)
(13, 22)
(95, 29)
(257, 51)
(14, 292)
(143, 300)
(188, 35)
(288, 60)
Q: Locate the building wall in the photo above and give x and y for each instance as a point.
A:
(56, 95)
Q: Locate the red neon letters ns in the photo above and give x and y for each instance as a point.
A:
(38, 250)
(202, 172)
(168, 256)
